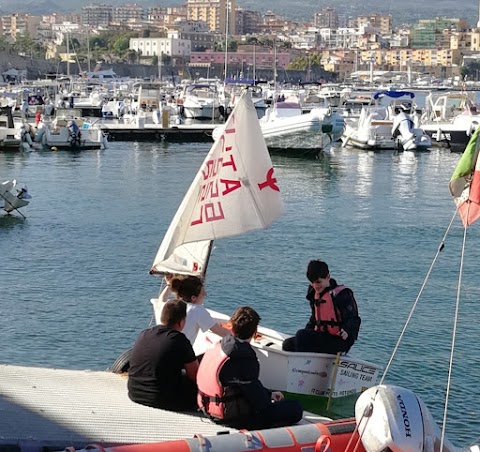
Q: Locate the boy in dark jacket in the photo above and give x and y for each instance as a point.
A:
(246, 403)
(335, 332)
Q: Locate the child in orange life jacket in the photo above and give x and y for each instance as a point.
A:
(334, 322)
(230, 391)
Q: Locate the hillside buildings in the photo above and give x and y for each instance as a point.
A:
(194, 33)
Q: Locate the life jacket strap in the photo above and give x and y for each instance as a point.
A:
(328, 323)
(217, 399)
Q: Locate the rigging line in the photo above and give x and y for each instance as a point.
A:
(454, 334)
(440, 248)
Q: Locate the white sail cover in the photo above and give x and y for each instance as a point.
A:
(235, 191)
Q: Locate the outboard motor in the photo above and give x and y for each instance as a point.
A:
(25, 138)
(391, 418)
(23, 193)
(73, 134)
(41, 129)
(402, 129)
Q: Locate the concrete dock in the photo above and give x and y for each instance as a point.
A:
(149, 132)
(49, 409)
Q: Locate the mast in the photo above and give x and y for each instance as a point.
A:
(88, 50)
(160, 66)
(478, 23)
(68, 54)
(254, 57)
(274, 65)
(227, 18)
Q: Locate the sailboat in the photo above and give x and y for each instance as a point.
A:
(234, 192)
(387, 417)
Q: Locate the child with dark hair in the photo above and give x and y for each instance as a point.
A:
(229, 388)
(190, 289)
(163, 367)
(334, 322)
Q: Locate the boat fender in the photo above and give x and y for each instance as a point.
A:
(122, 363)
(473, 127)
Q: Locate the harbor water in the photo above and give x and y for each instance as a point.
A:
(75, 286)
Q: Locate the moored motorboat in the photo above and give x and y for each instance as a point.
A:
(450, 119)
(390, 126)
(70, 132)
(285, 126)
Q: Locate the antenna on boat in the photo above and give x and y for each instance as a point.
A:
(227, 18)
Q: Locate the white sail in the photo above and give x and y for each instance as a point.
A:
(235, 191)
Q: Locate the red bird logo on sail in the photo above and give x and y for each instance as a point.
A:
(270, 182)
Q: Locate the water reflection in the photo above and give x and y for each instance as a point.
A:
(11, 221)
(404, 174)
(364, 174)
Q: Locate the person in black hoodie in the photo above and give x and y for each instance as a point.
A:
(244, 402)
(334, 321)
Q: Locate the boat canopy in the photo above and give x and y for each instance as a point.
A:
(240, 81)
(393, 94)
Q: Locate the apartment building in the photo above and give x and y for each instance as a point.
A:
(246, 59)
(197, 33)
(19, 24)
(128, 13)
(326, 18)
(95, 16)
(214, 13)
(382, 23)
(161, 17)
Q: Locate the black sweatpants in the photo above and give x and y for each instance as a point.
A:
(316, 342)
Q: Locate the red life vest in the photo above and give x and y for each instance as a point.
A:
(211, 394)
(328, 317)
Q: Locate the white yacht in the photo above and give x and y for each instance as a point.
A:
(450, 118)
(284, 126)
(201, 101)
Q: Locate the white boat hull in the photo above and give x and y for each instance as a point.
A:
(314, 376)
(200, 112)
(378, 135)
(92, 138)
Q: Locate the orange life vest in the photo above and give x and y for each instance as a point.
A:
(211, 394)
(328, 317)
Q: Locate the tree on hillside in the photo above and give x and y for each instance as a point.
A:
(472, 70)
(219, 46)
(4, 44)
(121, 45)
(23, 44)
(304, 62)
(131, 56)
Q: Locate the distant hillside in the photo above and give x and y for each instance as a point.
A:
(402, 11)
